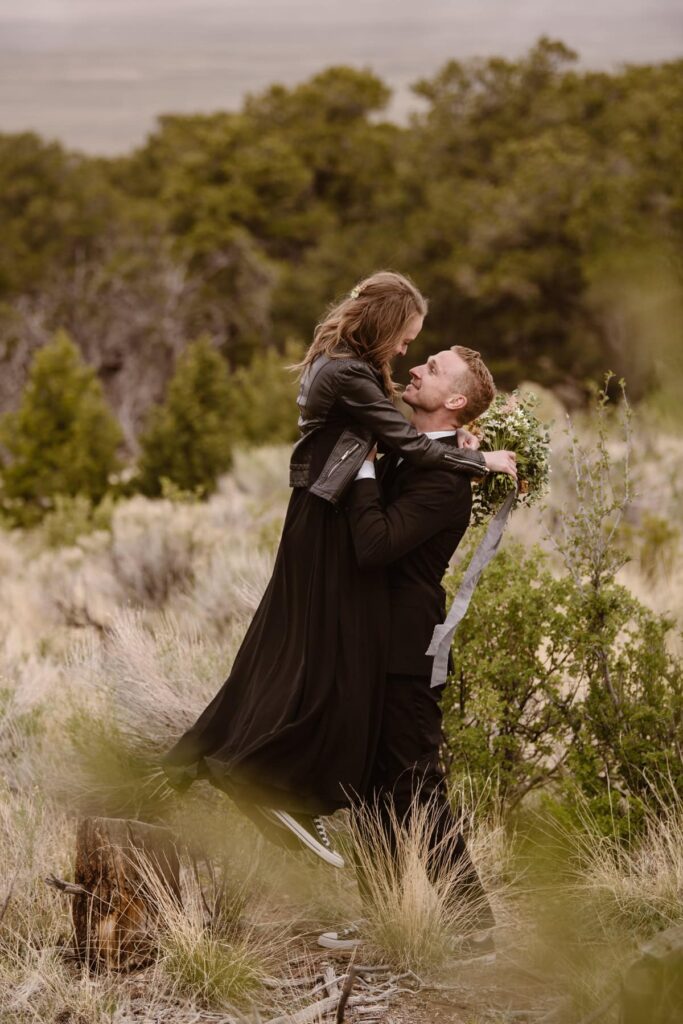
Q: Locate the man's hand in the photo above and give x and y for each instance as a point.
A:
(372, 454)
(467, 440)
(501, 462)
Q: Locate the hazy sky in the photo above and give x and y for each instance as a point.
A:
(95, 73)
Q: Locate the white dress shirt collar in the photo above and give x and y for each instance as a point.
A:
(436, 434)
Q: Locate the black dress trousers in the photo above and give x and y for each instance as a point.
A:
(408, 772)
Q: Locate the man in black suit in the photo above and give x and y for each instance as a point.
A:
(411, 520)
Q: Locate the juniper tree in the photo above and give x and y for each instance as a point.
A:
(189, 437)
(265, 397)
(63, 438)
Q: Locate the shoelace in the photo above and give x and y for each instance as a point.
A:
(322, 832)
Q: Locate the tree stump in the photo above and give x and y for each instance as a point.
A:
(116, 912)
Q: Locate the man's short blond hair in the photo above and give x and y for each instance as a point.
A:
(476, 384)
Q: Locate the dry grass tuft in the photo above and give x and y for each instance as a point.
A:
(416, 913)
(637, 887)
(206, 952)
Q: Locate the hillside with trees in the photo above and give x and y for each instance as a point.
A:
(538, 205)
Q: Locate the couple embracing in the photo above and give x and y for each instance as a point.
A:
(328, 703)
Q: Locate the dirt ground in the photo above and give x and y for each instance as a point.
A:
(474, 992)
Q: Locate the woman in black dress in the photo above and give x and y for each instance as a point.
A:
(293, 728)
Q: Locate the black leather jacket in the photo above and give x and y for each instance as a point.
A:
(343, 412)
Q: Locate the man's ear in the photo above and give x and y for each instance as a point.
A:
(456, 401)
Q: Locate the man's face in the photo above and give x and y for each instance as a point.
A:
(436, 384)
(410, 332)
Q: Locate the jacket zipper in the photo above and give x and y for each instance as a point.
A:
(349, 451)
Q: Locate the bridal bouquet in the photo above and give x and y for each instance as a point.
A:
(509, 423)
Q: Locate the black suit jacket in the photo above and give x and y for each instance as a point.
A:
(411, 521)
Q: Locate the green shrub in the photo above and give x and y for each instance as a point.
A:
(189, 438)
(63, 438)
(627, 729)
(570, 682)
(264, 397)
(506, 705)
(71, 518)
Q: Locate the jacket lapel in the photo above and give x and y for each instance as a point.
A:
(386, 468)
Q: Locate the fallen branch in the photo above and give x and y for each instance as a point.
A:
(66, 887)
(309, 1014)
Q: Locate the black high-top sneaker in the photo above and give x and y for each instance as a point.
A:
(309, 830)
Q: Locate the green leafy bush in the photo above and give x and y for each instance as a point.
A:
(506, 706)
(71, 518)
(569, 683)
(264, 397)
(557, 689)
(189, 438)
(63, 438)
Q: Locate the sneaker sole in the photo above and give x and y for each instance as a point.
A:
(338, 943)
(284, 820)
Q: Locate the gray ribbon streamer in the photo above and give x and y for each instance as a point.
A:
(443, 633)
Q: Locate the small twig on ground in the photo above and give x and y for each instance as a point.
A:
(330, 981)
(345, 993)
(286, 982)
(323, 986)
(370, 969)
(410, 974)
(195, 868)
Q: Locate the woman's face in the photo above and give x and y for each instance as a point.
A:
(410, 332)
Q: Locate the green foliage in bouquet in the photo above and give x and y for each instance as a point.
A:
(189, 438)
(63, 438)
(510, 424)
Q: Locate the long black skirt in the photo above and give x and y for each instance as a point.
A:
(296, 723)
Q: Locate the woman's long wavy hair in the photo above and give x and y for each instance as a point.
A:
(368, 322)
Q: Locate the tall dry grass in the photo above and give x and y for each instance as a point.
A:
(415, 912)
